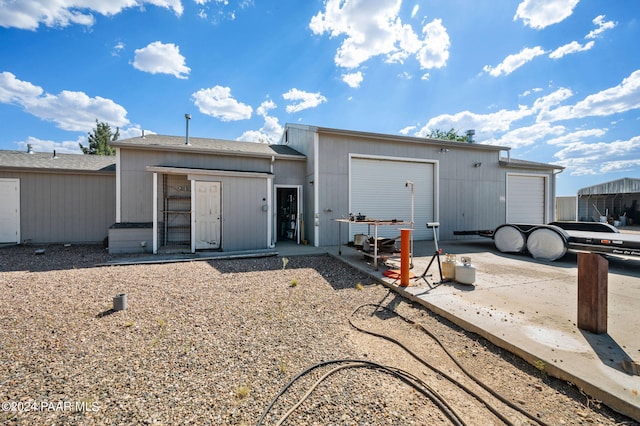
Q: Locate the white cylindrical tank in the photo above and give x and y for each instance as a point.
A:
(466, 272)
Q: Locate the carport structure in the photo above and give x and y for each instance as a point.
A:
(617, 201)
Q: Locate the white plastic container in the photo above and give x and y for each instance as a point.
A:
(466, 272)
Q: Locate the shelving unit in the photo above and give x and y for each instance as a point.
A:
(175, 229)
(288, 218)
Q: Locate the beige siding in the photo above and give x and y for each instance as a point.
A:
(65, 207)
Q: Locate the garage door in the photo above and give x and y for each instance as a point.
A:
(10, 211)
(378, 190)
(526, 199)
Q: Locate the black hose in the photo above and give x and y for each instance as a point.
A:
(405, 376)
(442, 373)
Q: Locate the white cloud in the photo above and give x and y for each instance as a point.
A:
(373, 28)
(515, 61)
(160, 58)
(530, 91)
(528, 135)
(134, 131)
(74, 111)
(569, 48)
(602, 157)
(414, 11)
(29, 14)
(621, 98)
(64, 147)
(13, 90)
(117, 48)
(434, 51)
(270, 132)
(217, 102)
(407, 130)
(577, 136)
(485, 125)
(602, 26)
(540, 14)
(353, 79)
(305, 100)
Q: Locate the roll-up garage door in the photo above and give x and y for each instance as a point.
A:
(526, 199)
(378, 191)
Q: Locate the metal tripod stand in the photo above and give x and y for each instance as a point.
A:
(435, 257)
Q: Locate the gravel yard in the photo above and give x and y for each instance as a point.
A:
(214, 342)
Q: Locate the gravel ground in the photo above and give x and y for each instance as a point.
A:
(213, 342)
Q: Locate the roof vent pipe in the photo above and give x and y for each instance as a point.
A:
(54, 154)
(29, 148)
(187, 118)
(142, 134)
(470, 134)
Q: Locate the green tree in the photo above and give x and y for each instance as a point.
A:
(100, 140)
(450, 135)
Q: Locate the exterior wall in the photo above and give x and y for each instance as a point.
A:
(470, 182)
(566, 209)
(131, 239)
(136, 182)
(65, 207)
(243, 222)
(467, 197)
(302, 140)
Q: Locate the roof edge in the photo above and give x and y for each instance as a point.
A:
(398, 138)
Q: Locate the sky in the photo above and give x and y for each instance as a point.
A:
(557, 81)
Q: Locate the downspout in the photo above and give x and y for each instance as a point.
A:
(269, 212)
(316, 185)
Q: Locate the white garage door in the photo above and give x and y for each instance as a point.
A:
(378, 190)
(526, 199)
(9, 211)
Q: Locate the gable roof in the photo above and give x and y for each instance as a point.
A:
(22, 160)
(209, 146)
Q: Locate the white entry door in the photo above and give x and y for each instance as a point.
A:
(207, 215)
(9, 210)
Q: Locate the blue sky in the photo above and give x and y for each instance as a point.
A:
(558, 81)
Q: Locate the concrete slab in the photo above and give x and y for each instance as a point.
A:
(529, 307)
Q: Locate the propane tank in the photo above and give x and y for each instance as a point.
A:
(449, 267)
(466, 272)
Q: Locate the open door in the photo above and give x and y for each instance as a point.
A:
(288, 213)
(207, 215)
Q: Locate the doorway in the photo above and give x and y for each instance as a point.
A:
(288, 213)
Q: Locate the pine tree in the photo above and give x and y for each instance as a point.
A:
(100, 139)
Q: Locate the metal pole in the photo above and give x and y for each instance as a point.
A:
(406, 184)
